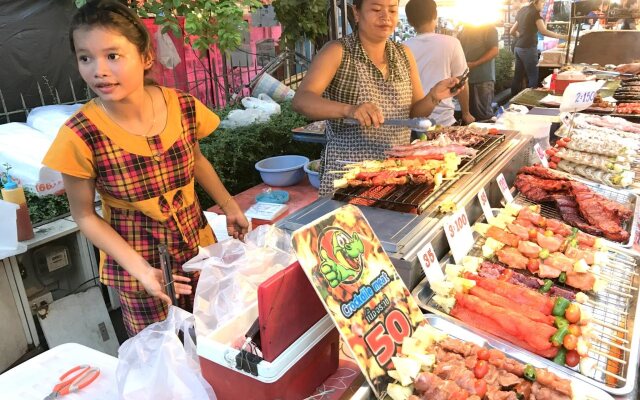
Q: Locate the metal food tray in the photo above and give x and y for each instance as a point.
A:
(614, 312)
(624, 197)
(467, 334)
(416, 198)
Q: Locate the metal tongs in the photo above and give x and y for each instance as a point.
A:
(601, 72)
(416, 124)
(165, 265)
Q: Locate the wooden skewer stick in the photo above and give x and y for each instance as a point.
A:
(612, 358)
(622, 258)
(613, 337)
(610, 343)
(617, 293)
(625, 268)
(608, 325)
(611, 374)
(617, 281)
(595, 304)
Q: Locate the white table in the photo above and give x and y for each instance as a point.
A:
(35, 378)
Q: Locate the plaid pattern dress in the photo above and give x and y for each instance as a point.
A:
(357, 81)
(149, 199)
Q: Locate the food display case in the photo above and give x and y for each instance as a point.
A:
(407, 220)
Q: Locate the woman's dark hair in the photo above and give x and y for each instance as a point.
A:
(420, 12)
(115, 15)
(358, 3)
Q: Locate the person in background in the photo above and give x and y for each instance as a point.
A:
(528, 24)
(480, 45)
(136, 144)
(438, 57)
(367, 77)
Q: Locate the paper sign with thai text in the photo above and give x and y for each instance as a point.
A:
(484, 203)
(504, 188)
(360, 288)
(540, 154)
(430, 265)
(579, 96)
(459, 235)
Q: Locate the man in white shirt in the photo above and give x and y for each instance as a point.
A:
(438, 57)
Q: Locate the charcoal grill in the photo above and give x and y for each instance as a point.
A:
(413, 198)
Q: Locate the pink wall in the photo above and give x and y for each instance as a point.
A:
(193, 74)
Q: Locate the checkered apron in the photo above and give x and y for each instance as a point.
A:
(357, 81)
(125, 180)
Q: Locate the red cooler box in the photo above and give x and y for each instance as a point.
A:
(293, 375)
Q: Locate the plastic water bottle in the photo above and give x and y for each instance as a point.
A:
(13, 193)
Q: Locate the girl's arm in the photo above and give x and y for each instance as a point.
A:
(81, 194)
(237, 224)
(514, 30)
(421, 105)
(542, 28)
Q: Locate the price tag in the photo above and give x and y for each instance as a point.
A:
(430, 264)
(459, 235)
(504, 188)
(484, 203)
(579, 95)
(541, 156)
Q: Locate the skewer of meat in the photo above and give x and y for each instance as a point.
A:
(497, 271)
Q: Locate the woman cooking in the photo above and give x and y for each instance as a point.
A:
(367, 77)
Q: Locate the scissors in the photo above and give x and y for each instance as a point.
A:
(74, 380)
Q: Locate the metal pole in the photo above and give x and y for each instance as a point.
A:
(334, 22)
(345, 21)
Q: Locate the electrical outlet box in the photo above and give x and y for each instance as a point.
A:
(39, 301)
(52, 258)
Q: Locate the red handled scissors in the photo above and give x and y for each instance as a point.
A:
(74, 380)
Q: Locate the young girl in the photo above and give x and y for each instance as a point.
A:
(137, 145)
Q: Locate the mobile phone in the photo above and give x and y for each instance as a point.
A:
(462, 79)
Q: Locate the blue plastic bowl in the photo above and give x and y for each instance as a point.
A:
(314, 176)
(282, 170)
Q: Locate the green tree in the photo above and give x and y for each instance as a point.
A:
(206, 22)
(301, 19)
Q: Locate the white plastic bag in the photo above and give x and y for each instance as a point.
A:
(231, 271)
(262, 102)
(258, 109)
(49, 119)
(23, 148)
(167, 53)
(155, 365)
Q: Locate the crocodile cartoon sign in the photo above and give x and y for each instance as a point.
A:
(360, 288)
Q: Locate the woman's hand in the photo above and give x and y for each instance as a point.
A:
(442, 90)
(367, 114)
(237, 223)
(153, 282)
(633, 68)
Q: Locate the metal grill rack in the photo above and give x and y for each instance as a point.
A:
(413, 198)
(615, 343)
(620, 196)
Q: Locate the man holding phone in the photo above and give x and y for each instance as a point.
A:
(438, 57)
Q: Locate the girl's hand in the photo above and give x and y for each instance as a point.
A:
(237, 223)
(153, 282)
(442, 90)
(367, 114)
